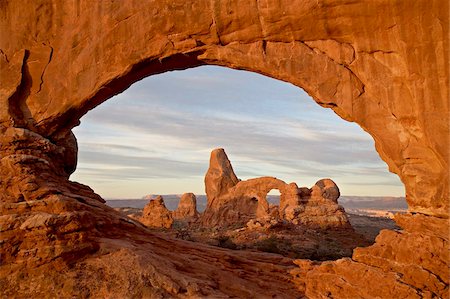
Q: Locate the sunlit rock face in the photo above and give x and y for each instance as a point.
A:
(231, 201)
(155, 214)
(187, 208)
(394, 253)
(317, 207)
(382, 64)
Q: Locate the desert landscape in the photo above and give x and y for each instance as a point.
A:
(367, 222)
(382, 65)
(306, 223)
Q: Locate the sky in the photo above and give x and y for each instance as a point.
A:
(156, 137)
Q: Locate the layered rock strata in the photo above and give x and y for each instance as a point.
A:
(61, 247)
(382, 64)
(395, 265)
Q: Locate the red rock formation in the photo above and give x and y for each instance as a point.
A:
(187, 208)
(246, 200)
(395, 265)
(155, 214)
(219, 178)
(230, 200)
(382, 64)
(325, 190)
(63, 248)
(242, 202)
(318, 207)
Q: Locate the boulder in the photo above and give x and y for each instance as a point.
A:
(155, 214)
(326, 190)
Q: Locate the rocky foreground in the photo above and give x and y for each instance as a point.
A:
(288, 240)
(121, 258)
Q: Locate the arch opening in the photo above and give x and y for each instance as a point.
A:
(157, 130)
(273, 197)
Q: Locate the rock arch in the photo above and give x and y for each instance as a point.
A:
(59, 59)
(231, 201)
(333, 61)
(259, 188)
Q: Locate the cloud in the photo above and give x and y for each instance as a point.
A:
(163, 128)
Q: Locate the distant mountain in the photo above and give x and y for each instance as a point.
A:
(127, 203)
(372, 202)
(349, 202)
(170, 200)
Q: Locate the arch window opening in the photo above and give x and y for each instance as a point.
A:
(273, 197)
(156, 138)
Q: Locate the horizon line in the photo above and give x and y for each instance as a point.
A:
(179, 194)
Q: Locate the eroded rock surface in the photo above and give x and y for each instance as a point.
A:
(338, 61)
(243, 201)
(187, 208)
(155, 214)
(395, 265)
(318, 207)
(219, 178)
(382, 64)
(63, 248)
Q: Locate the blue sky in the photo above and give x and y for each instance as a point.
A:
(156, 137)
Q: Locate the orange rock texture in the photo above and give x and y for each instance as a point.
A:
(382, 64)
(231, 201)
(187, 208)
(155, 214)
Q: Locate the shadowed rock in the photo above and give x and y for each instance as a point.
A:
(325, 189)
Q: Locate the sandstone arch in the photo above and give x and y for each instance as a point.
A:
(232, 202)
(259, 187)
(333, 61)
(59, 59)
(255, 190)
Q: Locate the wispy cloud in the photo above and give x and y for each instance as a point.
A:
(163, 128)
